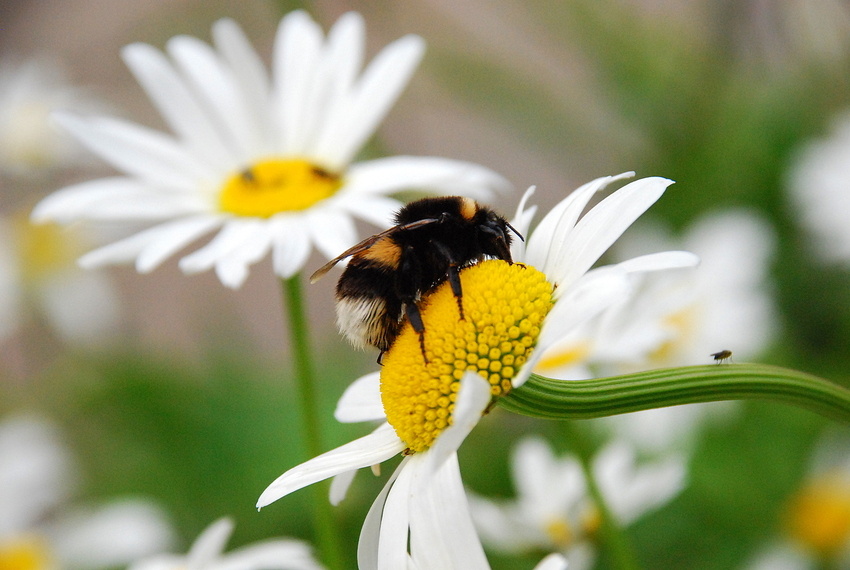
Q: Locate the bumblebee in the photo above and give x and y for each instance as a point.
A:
(433, 239)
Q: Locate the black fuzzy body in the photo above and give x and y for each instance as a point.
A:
(388, 273)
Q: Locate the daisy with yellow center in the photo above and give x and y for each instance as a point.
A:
(429, 405)
(39, 276)
(40, 530)
(553, 509)
(268, 161)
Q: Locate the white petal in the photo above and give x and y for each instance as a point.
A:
(473, 398)
(367, 545)
(171, 238)
(372, 449)
(232, 270)
(659, 262)
(341, 62)
(296, 55)
(149, 155)
(554, 561)
(252, 77)
(162, 240)
(73, 202)
(178, 106)
(339, 486)
(361, 401)
(560, 221)
(601, 226)
(441, 531)
(437, 175)
(333, 232)
(521, 223)
(234, 234)
(395, 519)
(378, 88)
(210, 544)
(215, 85)
(291, 245)
(269, 555)
(377, 210)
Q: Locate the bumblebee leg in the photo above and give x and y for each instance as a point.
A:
(415, 318)
(454, 281)
(453, 275)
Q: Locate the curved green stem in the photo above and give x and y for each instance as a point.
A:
(573, 399)
(327, 537)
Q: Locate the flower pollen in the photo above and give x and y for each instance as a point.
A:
(272, 186)
(504, 308)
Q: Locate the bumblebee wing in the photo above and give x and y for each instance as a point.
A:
(366, 244)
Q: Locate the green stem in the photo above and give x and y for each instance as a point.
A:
(615, 538)
(327, 535)
(573, 399)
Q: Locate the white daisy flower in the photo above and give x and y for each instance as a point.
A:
(819, 184)
(38, 274)
(207, 554)
(512, 313)
(39, 530)
(30, 91)
(268, 161)
(553, 509)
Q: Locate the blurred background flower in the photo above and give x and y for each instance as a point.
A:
(185, 401)
(40, 528)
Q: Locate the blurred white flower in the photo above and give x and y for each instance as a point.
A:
(39, 276)
(29, 141)
(39, 530)
(819, 184)
(553, 509)
(207, 553)
(679, 317)
(814, 531)
(266, 161)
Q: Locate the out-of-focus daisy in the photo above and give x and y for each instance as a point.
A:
(266, 161)
(39, 276)
(819, 184)
(207, 553)
(513, 312)
(30, 91)
(678, 317)
(553, 509)
(815, 528)
(40, 531)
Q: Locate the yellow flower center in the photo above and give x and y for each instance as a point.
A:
(504, 307)
(272, 186)
(559, 532)
(45, 249)
(819, 515)
(24, 553)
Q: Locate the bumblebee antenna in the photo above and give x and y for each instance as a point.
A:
(513, 229)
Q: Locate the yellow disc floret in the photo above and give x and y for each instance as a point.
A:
(504, 307)
(819, 515)
(273, 186)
